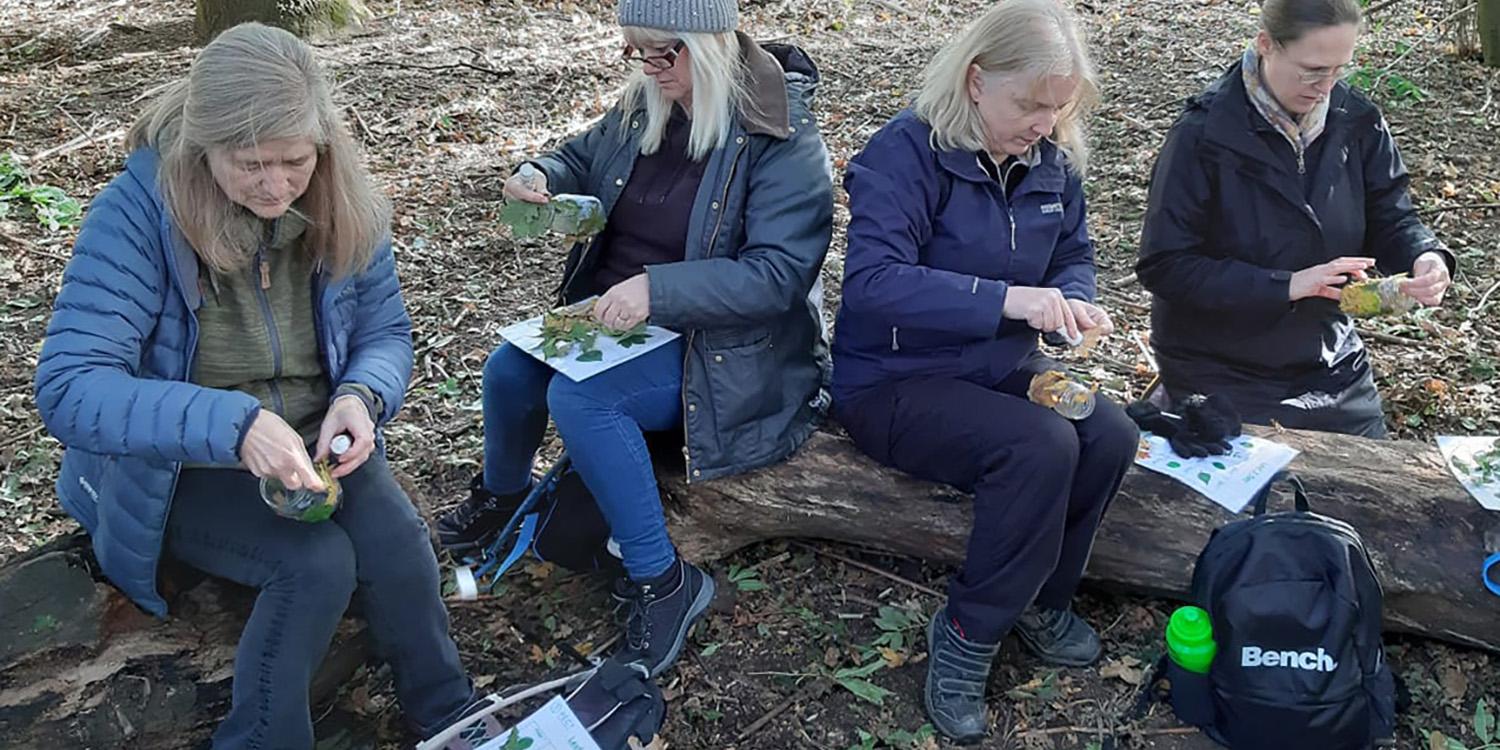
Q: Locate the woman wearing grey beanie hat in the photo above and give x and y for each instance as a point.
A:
(720, 202)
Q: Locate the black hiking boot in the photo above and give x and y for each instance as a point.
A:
(1058, 636)
(660, 613)
(476, 521)
(957, 670)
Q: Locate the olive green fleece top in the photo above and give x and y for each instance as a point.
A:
(257, 331)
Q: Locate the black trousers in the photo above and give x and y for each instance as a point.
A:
(1041, 483)
(1323, 403)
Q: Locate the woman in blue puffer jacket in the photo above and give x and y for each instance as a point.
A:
(231, 307)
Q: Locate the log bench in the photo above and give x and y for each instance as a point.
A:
(1426, 535)
(80, 666)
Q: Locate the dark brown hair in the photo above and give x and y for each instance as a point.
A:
(1287, 20)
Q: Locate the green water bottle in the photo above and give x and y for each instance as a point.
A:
(1190, 639)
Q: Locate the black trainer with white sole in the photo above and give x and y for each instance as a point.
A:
(475, 522)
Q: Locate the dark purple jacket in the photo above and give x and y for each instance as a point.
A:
(934, 243)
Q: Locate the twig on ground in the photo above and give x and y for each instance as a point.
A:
(22, 437)
(1388, 69)
(1049, 731)
(1484, 299)
(1389, 338)
(27, 246)
(871, 569)
(451, 66)
(1377, 7)
(77, 143)
(810, 690)
(1097, 730)
(894, 7)
(1457, 207)
(772, 560)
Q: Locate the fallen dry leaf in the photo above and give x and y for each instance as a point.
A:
(1126, 669)
(1455, 682)
(892, 657)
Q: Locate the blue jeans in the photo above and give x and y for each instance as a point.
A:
(601, 422)
(375, 545)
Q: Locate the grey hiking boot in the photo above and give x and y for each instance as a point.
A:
(1058, 636)
(660, 614)
(957, 670)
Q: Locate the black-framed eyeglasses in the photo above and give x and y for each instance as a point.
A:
(664, 61)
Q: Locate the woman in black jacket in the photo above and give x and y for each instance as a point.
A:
(1279, 184)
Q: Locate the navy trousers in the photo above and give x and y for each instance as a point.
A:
(1041, 483)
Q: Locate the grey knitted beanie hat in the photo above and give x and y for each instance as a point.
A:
(702, 16)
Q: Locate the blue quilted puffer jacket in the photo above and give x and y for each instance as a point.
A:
(113, 380)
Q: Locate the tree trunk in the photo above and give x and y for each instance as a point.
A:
(83, 667)
(215, 16)
(1487, 24)
(1426, 535)
(301, 17)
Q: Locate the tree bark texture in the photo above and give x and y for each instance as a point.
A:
(83, 667)
(1487, 25)
(301, 17)
(1426, 535)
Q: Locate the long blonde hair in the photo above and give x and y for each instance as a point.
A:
(718, 89)
(252, 84)
(1032, 37)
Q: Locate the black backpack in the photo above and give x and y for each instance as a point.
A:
(1296, 612)
(559, 522)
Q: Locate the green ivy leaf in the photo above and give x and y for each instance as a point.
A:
(865, 690)
(893, 619)
(516, 742)
(858, 672)
(1484, 722)
(592, 355)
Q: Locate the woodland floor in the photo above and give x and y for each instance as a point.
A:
(447, 95)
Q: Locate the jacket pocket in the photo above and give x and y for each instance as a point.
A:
(744, 387)
(917, 342)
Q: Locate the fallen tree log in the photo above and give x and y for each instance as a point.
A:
(1426, 535)
(81, 666)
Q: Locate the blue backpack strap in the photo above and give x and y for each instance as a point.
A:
(523, 543)
(526, 518)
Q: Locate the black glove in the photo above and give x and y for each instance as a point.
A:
(1208, 422)
(1153, 420)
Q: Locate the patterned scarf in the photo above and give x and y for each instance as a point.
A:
(1300, 132)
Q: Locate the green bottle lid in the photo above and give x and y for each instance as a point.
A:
(1190, 639)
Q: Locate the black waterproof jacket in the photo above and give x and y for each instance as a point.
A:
(1232, 214)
